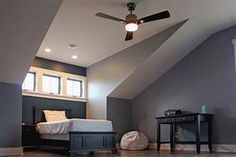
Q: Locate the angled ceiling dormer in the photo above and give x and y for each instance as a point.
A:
(23, 25)
(106, 75)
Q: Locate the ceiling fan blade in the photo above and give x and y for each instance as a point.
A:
(158, 16)
(129, 36)
(102, 15)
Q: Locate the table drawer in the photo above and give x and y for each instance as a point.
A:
(167, 120)
(185, 119)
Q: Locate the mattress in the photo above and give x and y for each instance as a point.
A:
(63, 127)
(63, 137)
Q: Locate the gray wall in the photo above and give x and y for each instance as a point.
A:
(118, 110)
(205, 76)
(10, 104)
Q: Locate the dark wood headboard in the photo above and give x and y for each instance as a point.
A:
(38, 115)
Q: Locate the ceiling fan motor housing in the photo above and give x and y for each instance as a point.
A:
(131, 18)
(131, 6)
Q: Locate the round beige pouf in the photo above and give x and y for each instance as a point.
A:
(134, 140)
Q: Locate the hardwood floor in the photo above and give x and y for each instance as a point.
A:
(148, 153)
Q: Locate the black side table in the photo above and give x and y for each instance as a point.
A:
(196, 118)
(29, 136)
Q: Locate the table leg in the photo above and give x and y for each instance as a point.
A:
(210, 134)
(175, 131)
(198, 134)
(158, 136)
(172, 137)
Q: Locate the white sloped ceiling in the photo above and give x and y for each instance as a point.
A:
(23, 25)
(76, 23)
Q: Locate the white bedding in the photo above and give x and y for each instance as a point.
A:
(62, 137)
(63, 127)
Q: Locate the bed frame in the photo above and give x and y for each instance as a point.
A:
(79, 142)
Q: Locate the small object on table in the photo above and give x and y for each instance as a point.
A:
(172, 112)
(204, 109)
(195, 118)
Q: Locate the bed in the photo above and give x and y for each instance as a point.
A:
(78, 135)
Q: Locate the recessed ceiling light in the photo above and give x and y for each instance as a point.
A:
(74, 57)
(72, 46)
(47, 50)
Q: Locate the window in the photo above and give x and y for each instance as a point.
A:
(51, 84)
(74, 87)
(29, 82)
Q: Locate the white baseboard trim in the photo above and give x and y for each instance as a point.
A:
(11, 151)
(224, 148)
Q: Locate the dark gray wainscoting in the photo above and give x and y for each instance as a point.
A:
(59, 66)
(78, 109)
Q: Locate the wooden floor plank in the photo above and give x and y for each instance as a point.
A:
(147, 153)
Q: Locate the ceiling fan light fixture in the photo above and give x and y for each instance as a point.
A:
(131, 27)
(132, 22)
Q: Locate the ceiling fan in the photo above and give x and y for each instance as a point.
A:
(131, 21)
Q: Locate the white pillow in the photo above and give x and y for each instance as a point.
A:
(52, 116)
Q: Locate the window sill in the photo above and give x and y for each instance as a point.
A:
(53, 96)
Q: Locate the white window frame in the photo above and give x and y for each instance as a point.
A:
(81, 88)
(34, 81)
(39, 72)
(59, 84)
